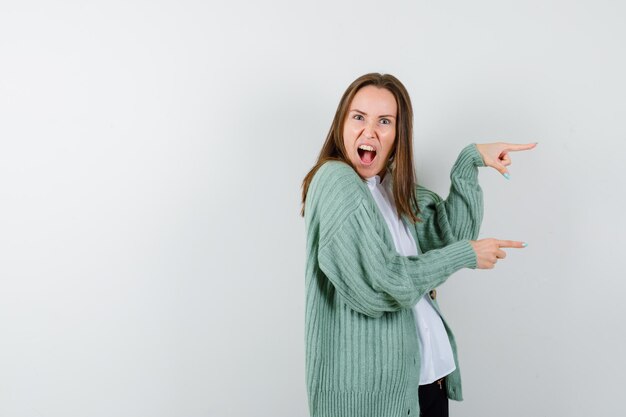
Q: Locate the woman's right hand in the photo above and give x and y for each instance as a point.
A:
(488, 251)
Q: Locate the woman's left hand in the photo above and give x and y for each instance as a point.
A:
(496, 155)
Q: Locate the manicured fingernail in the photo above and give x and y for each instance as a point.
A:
(507, 176)
(524, 244)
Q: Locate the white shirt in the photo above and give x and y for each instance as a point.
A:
(437, 359)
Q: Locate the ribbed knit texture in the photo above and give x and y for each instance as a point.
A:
(362, 352)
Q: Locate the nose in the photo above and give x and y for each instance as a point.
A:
(370, 130)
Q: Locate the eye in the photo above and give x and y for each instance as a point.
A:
(386, 121)
(356, 116)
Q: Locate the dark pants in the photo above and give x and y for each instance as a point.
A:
(433, 399)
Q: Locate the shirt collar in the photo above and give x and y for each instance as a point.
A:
(375, 180)
(372, 181)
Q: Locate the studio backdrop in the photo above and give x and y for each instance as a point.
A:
(152, 252)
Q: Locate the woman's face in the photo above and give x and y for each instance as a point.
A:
(370, 123)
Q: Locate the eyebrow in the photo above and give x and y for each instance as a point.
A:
(362, 112)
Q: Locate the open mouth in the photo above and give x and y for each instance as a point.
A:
(366, 154)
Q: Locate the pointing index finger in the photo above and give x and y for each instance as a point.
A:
(518, 146)
(511, 244)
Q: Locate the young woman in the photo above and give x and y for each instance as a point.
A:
(378, 245)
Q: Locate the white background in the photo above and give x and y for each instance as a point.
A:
(151, 157)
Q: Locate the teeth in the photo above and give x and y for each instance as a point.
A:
(366, 147)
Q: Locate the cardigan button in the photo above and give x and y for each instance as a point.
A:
(408, 412)
(433, 294)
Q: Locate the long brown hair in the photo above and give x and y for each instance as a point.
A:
(401, 157)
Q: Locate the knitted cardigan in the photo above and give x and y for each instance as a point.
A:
(362, 352)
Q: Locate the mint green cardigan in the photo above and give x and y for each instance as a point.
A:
(362, 352)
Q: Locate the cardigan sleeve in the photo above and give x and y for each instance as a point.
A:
(369, 275)
(460, 215)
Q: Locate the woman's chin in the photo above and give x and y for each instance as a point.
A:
(367, 171)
